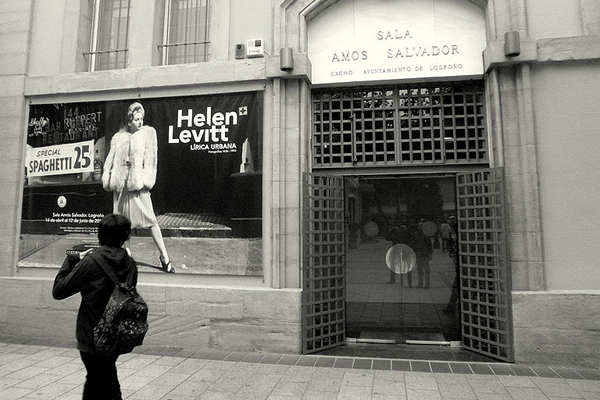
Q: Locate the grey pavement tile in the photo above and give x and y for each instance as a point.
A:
(289, 389)
(50, 391)
(188, 366)
(319, 395)
(169, 351)
(517, 381)
(522, 370)
(53, 361)
(236, 356)
(189, 388)
(15, 365)
(135, 383)
(8, 382)
(377, 396)
(456, 391)
(362, 363)
(137, 362)
(270, 358)
(27, 372)
(206, 375)
(354, 377)
(243, 370)
(355, 393)
(421, 381)
(481, 369)
(69, 368)
(423, 394)
(215, 395)
(218, 355)
(544, 371)
(325, 385)
(400, 365)
(395, 376)
(325, 362)
(307, 361)
(555, 388)
(420, 366)
(228, 384)
(385, 365)
(588, 373)
(273, 369)
(73, 395)
(150, 392)
(74, 379)
(440, 367)
(153, 370)
(389, 388)
(252, 357)
(14, 393)
(37, 382)
(453, 379)
(202, 353)
(176, 397)
(493, 385)
(251, 392)
(342, 362)
(184, 353)
(494, 396)
(328, 374)
(263, 381)
(288, 359)
(299, 374)
(567, 373)
(584, 386)
(460, 368)
(169, 361)
(520, 393)
(502, 369)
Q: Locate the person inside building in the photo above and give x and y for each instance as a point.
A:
(80, 273)
(445, 230)
(423, 250)
(130, 173)
(453, 249)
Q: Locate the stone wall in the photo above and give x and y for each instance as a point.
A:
(223, 318)
(557, 328)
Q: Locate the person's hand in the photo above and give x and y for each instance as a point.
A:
(85, 253)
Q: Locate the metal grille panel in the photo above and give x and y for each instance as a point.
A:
(484, 264)
(324, 264)
(416, 124)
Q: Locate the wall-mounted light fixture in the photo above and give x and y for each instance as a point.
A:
(286, 59)
(512, 44)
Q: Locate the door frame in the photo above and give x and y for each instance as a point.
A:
(486, 315)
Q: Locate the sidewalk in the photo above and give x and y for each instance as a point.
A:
(55, 372)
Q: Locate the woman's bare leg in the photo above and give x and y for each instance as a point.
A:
(160, 243)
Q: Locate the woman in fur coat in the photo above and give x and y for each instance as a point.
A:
(130, 173)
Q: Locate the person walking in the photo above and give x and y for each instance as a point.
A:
(80, 273)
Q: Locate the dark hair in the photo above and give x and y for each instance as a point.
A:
(114, 230)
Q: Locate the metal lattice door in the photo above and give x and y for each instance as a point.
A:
(484, 264)
(324, 269)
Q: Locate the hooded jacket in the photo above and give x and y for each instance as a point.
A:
(89, 279)
(140, 150)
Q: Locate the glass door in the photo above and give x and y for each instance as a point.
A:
(400, 263)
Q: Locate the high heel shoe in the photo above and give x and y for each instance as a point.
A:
(167, 267)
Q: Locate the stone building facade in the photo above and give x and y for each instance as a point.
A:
(537, 63)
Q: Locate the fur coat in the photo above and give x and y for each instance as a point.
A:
(140, 149)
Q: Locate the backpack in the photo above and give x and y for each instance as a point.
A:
(124, 322)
